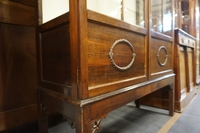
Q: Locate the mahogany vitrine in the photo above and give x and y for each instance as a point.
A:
(186, 52)
(184, 65)
(97, 56)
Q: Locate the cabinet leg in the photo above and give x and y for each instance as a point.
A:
(82, 120)
(137, 103)
(43, 120)
(171, 99)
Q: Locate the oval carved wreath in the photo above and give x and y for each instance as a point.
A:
(111, 54)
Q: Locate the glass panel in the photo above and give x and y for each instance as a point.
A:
(185, 15)
(134, 12)
(53, 8)
(167, 17)
(130, 11)
(156, 10)
(110, 8)
(176, 13)
(162, 16)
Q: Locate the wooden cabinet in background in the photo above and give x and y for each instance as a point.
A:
(185, 69)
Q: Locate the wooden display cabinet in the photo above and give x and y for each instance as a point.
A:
(186, 52)
(96, 57)
(185, 69)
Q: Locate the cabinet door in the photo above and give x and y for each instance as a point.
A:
(161, 42)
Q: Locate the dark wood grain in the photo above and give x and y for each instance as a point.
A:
(15, 13)
(18, 75)
(18, 66)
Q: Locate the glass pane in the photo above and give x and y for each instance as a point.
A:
(176, 15)
(110, 8)
(167, 17)
(162, 16)
(185, 15)
(53, 8)
(134, 12)
(156, 10)
(130, 11)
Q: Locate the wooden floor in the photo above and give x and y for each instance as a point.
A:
(129, 119)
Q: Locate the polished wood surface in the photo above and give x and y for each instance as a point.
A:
(26, 15)
(18, 65)
(18, 74)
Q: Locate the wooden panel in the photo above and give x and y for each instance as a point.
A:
(160, 51)
(56, 55)
(100, 69)
(182, 62)
(17, 117)
(14, 13)
(191, 70)
(18, 66)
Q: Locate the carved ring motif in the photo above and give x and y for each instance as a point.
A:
(166, 56)
(111, 54)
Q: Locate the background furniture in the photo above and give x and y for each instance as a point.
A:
(184, 64)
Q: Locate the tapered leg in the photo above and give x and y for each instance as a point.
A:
(82, 122)
(171, 99)
(137, 103)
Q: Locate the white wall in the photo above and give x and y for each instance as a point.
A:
(53, 8)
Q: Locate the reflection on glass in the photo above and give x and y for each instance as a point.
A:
(185, 15)
(167, 17)
(134, 12)
(53, 8)
(156, 11)
(176, 14)
(110, 8)
(162, 16)
(130, 11)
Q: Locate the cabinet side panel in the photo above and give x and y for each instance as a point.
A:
(18, 66)
(56, 55)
